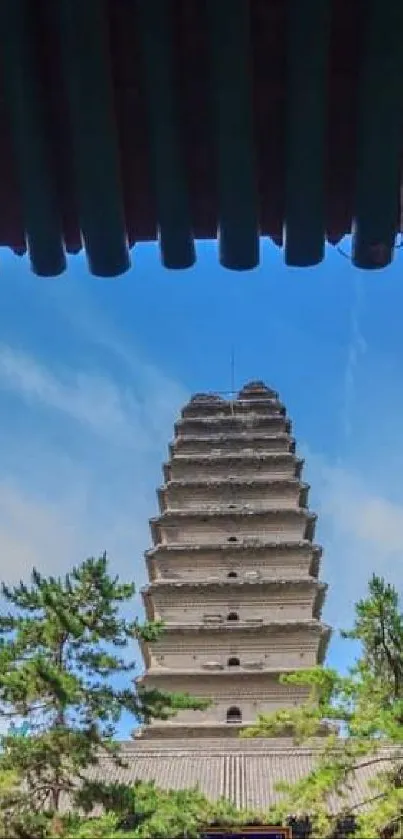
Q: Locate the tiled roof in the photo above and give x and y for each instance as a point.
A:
(245, 772)
(172, 119)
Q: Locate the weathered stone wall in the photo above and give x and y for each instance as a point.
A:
(197, 650)
(182, 468)
(235, 444)
(257, 495)
(269, 565)
(254, 694)
(216, 530)
(181, 607)
(271, 424)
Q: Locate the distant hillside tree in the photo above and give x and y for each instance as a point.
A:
(367, 707)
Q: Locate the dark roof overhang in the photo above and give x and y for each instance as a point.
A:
(133, 120)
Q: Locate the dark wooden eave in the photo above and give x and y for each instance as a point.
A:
(134, 120)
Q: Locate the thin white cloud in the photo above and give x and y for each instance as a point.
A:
(53, 535)
(361, 513)
(90, 486)
(361, 530)
(89, 399)
(127, 416)
(33, 533)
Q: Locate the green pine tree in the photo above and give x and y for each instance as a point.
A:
(61, 644)
(365, 709)
(145, 811)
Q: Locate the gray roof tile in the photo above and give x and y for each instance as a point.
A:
(246, 773)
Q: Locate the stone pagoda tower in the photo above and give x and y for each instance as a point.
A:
(234, 575)
(234, 570)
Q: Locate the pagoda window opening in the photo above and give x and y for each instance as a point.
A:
(233, 616)
(232, 539)
(232, 574)
(234, 715)
(233, 662)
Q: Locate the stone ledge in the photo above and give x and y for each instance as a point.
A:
(242, 417)
(244, 545)
(243, 512)
(239, 674)
(258, 582)
(235, 457)
(238, 481)
(240, 627)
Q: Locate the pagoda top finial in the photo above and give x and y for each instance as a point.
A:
(255, 389)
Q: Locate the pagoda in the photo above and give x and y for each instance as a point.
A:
(233, 571)
(234, 575)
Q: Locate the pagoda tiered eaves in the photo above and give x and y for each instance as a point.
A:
(188, 646)
(213, 466)
(233, 571)
(214, 409)
(239, 627)
(194, 425)
(233, 442)
(205, 494)
(297, 557)
(230, 521)
(286, 591)
(246, 544)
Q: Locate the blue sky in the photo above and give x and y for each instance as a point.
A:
(93, 373)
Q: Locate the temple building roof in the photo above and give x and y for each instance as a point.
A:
(244, 771)
(176, 120)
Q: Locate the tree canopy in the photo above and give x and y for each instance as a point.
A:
(144, 811)
(62, 643)
(362, 713)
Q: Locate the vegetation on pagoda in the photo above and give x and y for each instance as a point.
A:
(364, 712)
(63, 642)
